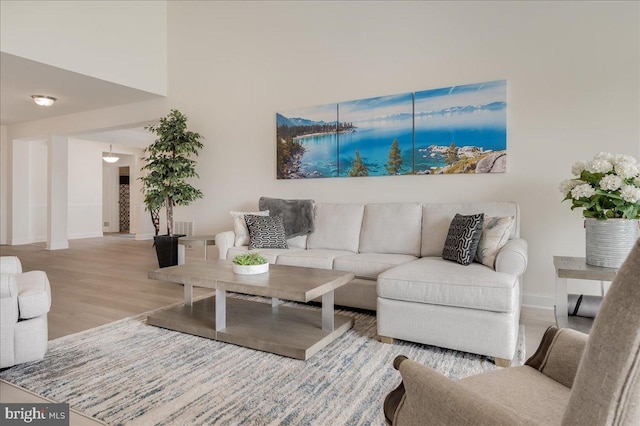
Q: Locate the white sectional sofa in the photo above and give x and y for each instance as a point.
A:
(395, 251)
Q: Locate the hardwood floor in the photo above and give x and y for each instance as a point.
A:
(100, 280)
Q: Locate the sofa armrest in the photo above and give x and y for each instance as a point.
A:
(224, 241)
(34, 294)
(559, 354)
(10, 265)
(512, 258)
(432, 398)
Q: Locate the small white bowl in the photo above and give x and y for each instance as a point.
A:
(250, 269)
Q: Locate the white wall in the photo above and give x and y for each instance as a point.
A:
(572, 71)
(4, 179)
(37, 190)
(124, 44)
(85, 189)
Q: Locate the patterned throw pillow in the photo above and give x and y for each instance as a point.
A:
(240, 226)
(495, 234)
(266, 232)
(463, 238)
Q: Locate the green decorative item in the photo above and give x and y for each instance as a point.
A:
(608, 189)
(249, 264)
(249, 259)
(168, 166)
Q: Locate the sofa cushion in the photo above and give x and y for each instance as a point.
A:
(240, 226)
(391, 228)
(270, 254)
(337, 227)
(495, 234)
(437, 217)
(314, 258)
(463, 238)
(437, 281)
(265, 232)
(370, 265)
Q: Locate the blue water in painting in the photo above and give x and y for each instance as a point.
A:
(483, 129)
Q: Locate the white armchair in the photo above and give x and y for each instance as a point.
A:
(25, 299)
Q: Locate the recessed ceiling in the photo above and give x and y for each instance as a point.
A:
(20, 78)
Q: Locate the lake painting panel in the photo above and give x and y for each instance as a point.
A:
(458, 129)
(377, 136)
(307, 143)
(461, 129)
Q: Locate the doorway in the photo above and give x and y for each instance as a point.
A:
(124, 200)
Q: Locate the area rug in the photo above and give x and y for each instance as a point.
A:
(131, 373)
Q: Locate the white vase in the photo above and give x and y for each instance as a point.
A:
(610, 241)
(250, 269)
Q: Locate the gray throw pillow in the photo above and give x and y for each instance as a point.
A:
(463, 238)
(265, 232)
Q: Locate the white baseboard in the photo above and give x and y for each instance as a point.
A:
(23, 241)
(538, 300)
(84, 235)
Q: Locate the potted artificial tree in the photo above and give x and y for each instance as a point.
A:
(168, 165)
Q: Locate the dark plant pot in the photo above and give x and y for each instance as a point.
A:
(166, 249)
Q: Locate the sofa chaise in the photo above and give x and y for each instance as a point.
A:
(395, 251)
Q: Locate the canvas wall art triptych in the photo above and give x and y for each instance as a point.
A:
(459, 129)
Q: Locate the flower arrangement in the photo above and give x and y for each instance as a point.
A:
(606, 187)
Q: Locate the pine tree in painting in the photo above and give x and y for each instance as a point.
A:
(452, 154)
(358, 168)
(395, 159)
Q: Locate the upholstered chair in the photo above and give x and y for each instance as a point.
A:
(25, 299)
(572, 379)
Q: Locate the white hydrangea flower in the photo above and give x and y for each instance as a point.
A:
(578, 167)
(599, 166)
(583, 191)
(630, 193)
(606, 156)
(610, 182)
(621, 158)
(626, 169)
(568, 185)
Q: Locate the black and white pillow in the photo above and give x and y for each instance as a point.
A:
(463, 238)
(265, 232)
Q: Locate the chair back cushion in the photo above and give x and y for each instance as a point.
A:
(10, 265)
(606, 389)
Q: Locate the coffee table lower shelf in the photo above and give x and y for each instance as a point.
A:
(283, 330)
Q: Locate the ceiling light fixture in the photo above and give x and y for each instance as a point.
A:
(42, 100)
(110, 158)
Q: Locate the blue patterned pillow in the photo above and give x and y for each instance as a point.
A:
(265, 232)
(463, 238)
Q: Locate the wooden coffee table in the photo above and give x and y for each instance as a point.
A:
(296, 332)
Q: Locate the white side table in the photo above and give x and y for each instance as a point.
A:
(575, 268)
(194, 240)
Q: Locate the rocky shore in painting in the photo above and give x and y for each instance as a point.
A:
(465, 159)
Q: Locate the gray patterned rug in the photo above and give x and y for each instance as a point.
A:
(128, 372)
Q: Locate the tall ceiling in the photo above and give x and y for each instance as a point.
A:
(20, 78)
